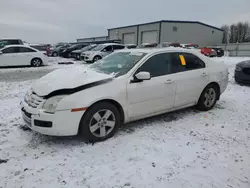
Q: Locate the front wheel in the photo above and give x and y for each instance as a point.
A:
(100, 122)
(96, 58)
(208, 98)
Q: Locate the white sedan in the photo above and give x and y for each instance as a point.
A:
(125, 86)
(20, 55)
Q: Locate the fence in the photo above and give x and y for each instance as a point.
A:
(237, 49)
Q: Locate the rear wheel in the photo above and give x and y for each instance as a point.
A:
(54, 54)
(208, 98)
(100, 122)
(36, 62)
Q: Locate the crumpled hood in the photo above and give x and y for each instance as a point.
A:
(244, 64)
(68, 78)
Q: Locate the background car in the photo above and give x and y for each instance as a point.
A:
(191, 46)
(77, 53)
(242, 72)
(210, 52)
(5, 42)
(65, 53)
(175, 44)
(131, 46)
(100, 51)
(125, 86)
(19, 55)
(164, 45)
(220, 52)
(148, 45)
(41, 47)
(55, 50)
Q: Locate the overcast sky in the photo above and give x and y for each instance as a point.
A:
(50, 21)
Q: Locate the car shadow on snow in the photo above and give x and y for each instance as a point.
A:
(38, 139)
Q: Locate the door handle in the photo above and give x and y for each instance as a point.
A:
(169, 81)
(204, 74)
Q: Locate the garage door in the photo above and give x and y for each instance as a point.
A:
(149, 37)
(129, 38)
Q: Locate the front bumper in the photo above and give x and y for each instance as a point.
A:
(241, 77)
(62, 123)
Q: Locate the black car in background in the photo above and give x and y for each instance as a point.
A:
(5, 42)
(242, 72)
(65, 53)
(56, 49)
(76, 54)
(219, 51)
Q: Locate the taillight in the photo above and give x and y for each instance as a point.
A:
(45, 53)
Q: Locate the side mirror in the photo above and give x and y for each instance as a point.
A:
(104, 50)
(1, 52)
(141, 76)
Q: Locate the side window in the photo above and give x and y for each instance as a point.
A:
(193, 62)
(109, 48)
(185, 62)
(25, 50)
(158, 65)
(118, 47)
(13, 42)
(10, 50)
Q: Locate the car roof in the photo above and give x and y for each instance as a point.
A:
(156, 50)
(107, 44)
(17, 45)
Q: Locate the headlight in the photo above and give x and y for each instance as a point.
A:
(27, 96)
(237, 68)
(51, 104)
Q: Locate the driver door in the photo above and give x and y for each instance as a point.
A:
(106, 51)
(154, 96)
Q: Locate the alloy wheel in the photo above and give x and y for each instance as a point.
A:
(210, 97)
(102, 123)
(36, 62)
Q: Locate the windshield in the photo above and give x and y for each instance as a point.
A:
(98, 48)
(119, 63)
(87, 48)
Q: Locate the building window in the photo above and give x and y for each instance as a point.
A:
(175, 29)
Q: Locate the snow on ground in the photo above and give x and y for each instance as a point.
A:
(185, 149)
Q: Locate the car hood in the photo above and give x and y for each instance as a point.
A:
(69, 80)
(76, 51)
(244, 63)
(90, 52)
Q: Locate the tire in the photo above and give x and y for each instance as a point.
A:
(36, 62)
(208, 98)
(77, 57)
(93, 128)
(96, 58)
(54, 54)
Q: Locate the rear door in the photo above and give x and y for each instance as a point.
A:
(8, 57)
(191, 77)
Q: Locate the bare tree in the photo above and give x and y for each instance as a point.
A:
(225, 33)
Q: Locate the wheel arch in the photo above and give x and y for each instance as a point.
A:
(115, 103)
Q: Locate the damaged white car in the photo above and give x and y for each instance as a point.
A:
(125, 86)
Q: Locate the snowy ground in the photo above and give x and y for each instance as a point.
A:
(185, 149)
